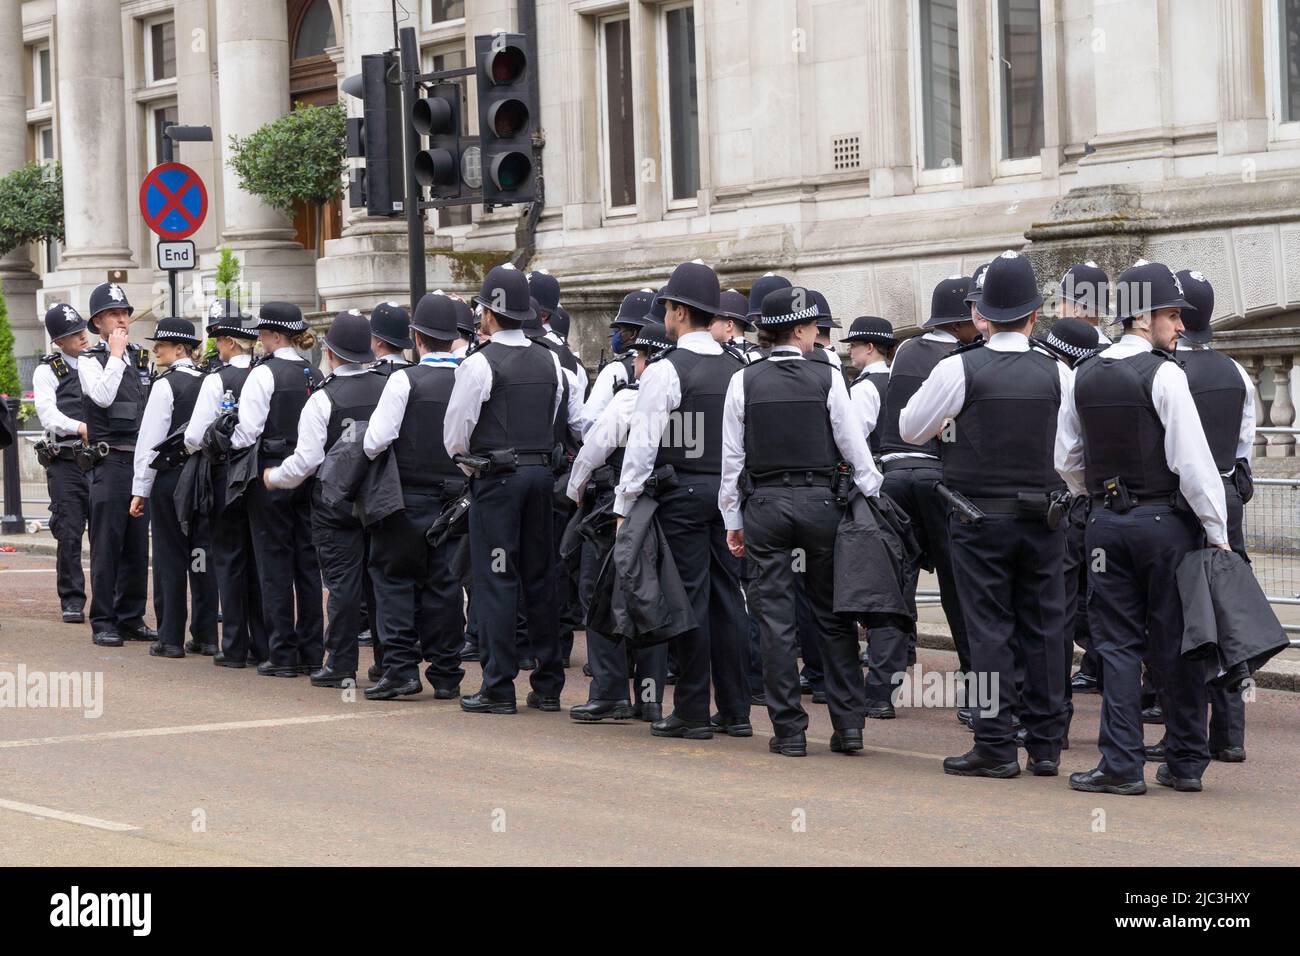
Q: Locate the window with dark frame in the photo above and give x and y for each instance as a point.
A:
(1288, 23)
(43, 93)
(1020, 45)
(616, 40)
(440, 10)
(683, 103)
(162, 51)
(315, 31)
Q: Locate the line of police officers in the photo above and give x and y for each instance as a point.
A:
(1052, 485)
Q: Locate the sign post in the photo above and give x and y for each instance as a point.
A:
(174, 203)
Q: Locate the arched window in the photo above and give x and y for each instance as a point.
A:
(315, 31)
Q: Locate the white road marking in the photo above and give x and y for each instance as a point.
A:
(77, 818)
(197, 729)
(27, 570)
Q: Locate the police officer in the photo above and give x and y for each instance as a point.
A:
(825, 322)
(591, 486)
(466, 326)
(335, 412)
(243, 627)
(115, 378)
(1005, 403)
(503, 408)
(787, 425)
(732, 322)
(390, 336)
(871, 343)
(270, 405)
(623, 330)
(545, 288)
(418, 596)
(1071, 341)
(1139, 446)
(177, 554)
(56, 392)
(1085, 295)
(677, 421)
(910, 475)
(1225, 401)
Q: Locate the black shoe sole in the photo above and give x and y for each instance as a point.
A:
(235, 665)
(106, 643)
(1221, 757)
(1182, 786)
(288, 672)
(394, 693)
(1004, 772)
(623, 712)
(839, 748)
(1119, 789)
(166, 656)
(446, 694)
(1054, 770)
(685, 733)
(789, 750)
(735, 730)
(490, 709)
(334, 681)
(881, 715)
(74, 619)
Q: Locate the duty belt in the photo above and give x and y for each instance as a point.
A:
(793, 479)
(902, 464)
(533, 458)
(1172, 499)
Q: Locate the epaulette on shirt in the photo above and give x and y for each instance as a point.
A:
(475, 346)
(978, 343)
(662, 355)
(734, 352)
(619, 386)
(1038, 346)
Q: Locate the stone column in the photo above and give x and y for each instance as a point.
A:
(253, 90)
(974, 41)
(889, 116)
(91, 107)
(1243, 112)
(1282, 412)
(1254, 365)
(17, 279)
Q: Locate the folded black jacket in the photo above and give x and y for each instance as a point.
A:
(1228, 623)
(639, 596)
(875, 561)
(347, 476)
(193, 496)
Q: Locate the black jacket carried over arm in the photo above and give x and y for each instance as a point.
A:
(374, 488)
(193, 496)
(875, 553)
(639, 596)
(1227, 620)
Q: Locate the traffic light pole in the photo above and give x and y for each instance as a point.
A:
(410, 64)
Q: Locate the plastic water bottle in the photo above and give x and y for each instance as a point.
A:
(228, 402)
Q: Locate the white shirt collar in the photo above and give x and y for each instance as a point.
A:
(1008, 342)
(879, 366)
(350, 368)
(940, 335)
(396, 357)
(701, 341)
(510, 337)
(785, 352)
(242, 360)
(289, 352)
(183, 363)
(69, 357)
(1134, 343)
(433, 358)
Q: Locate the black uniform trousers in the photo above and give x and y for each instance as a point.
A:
(779, 520)
(1076, 601)
(910, 486)
(69, 489)
(289, 571)
(418, 610)
(243, 626)
(178, 556)
(340, 543)
(718, 647)
(119, 547)
(611, 669)
(511, 529)
(1135, 612)
(1010, 578)
(1228, 711)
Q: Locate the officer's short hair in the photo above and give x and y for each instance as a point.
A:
(426, 343)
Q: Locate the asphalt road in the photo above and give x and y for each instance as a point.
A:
(193, 764)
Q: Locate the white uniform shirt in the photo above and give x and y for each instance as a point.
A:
(255, 400)
(1102, 337)
(850, 439)
(208, 405)
(44, 386)
(99, 383)
(866, 397)
(156, 425)
(606, 434)
(474, 387)
(313, 422)
(1186, 452)
(1246, 433)
(832, 356)
(659, 395)
(386, 422)
(934, 335)
(607, 379)
(580, 372)
(942, 395)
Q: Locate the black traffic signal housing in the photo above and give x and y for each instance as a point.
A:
(376, 136)
(506, 75)
(437, 116)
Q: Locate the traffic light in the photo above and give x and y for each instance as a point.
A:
(507, 115)
(376, 136)
(437, 116)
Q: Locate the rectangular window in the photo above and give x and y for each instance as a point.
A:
(44, 142)
(452, 58)
(159, 117)
(940, 84)
(440, 10)
(42, 80)
(1020, 45)
(1289, 42)
(682, 114)
(160, 51)
(616, 113)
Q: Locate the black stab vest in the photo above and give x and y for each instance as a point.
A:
(692, 440)
(67, 388)
(520, 412)
(352, 399)
(119, 424)
(913, 363)
(233, 378)
(422, 459)
(881, 382)
(387, 368)
(1220, 395)
(787, 425)
(1122, 434)
(294, 383)
(185, 392)
(1004, 437)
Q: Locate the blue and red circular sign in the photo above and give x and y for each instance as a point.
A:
(173, 200)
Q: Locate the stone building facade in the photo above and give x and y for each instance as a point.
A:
(864, 147)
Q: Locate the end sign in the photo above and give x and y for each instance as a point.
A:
(177, 256)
